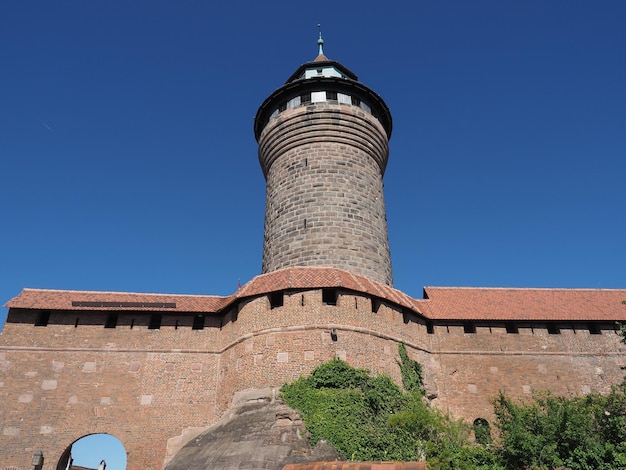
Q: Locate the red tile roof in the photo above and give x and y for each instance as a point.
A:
(473, 303)
(443, 303)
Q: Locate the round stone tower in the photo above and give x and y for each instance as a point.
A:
(323, 146)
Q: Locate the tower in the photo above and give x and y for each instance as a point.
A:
(323, 146)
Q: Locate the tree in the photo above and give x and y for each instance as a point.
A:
(548, 432)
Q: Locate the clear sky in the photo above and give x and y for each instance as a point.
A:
(129, 163)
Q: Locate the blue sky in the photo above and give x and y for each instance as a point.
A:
(129, 161)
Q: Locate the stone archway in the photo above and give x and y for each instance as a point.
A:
(89, 450)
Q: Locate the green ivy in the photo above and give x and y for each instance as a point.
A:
(370, 418)
(411, 371)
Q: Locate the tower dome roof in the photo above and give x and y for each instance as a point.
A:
(328, 75)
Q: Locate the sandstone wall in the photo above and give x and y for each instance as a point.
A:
(324, 199)
(145, 386)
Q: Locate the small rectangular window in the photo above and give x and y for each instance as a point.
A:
(276, 299)
(43, 318)
(331, 96)
(594, 328)
(329, 296)
(198, 322)
(294, 102)
(318, 96)
(469, 327)
(305, 98)
(553, 329)
(355, 101)
(111, 320)
(511, 328)
(430, 328)
(155, 321)
(344, 99)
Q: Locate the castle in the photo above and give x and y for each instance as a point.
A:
(152, 369)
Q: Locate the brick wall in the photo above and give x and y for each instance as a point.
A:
(324, 199)
(61, 382)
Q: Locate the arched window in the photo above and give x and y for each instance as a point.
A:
(482, 431)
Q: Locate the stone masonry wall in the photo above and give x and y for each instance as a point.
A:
(146, 387)
(324, 165)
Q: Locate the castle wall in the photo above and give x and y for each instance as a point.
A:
(146, 386)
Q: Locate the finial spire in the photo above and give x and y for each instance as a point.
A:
(320, 41)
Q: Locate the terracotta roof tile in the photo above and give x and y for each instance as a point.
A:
(441, 303)
(93, 300)
(474, 303)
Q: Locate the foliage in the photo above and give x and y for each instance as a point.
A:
(371, 418)
(622, 332)
(586, 432)
(411, 371)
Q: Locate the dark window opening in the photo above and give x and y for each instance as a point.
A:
(376, 303)
(277, 299)
(594, 329)
(333, 335)
(155, 321)
(553, 329)
(482, 431)
(331, 96)
(329, 296)
(111, 320)
(43, 318)
(305, 98)
(198, 322)
(282, 107)
(511, 328)
(430, 328)
(469, 327)
(355, 101)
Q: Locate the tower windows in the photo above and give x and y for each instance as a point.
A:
(511, 328)
(294, 102)
(318, 96)
(344, 99)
